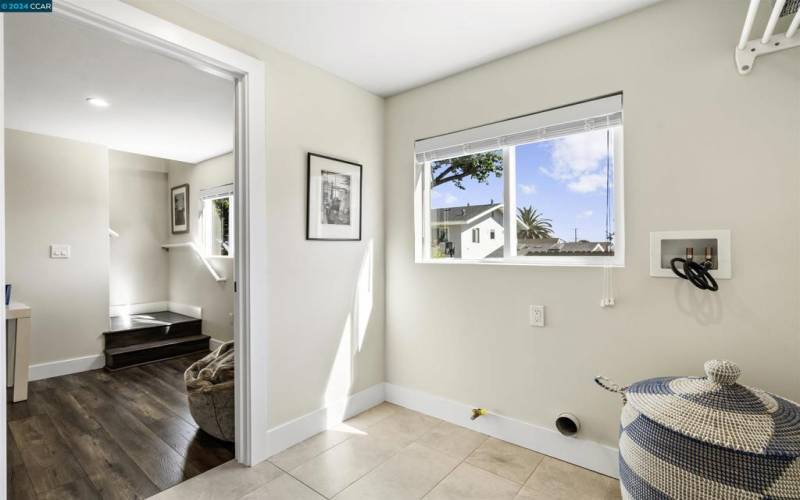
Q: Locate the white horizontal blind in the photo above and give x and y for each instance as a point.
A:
(596, 114)
(216, 192)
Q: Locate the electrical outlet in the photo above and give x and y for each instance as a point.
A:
(58, 251)
(537, 315)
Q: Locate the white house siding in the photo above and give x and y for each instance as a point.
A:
(487, 223)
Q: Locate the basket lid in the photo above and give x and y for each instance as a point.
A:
(716, 409)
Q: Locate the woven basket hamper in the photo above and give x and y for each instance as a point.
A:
(707, 438)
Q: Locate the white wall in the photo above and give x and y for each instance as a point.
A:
(322, 345)
(139, 212)
(190, 282)
(57, 192)
(705, 148)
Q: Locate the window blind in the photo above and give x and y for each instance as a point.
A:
(597, 114)
(216, 192)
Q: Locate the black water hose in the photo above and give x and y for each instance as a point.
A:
(697, 274)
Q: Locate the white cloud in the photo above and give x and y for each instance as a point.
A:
(527, 188)
(585, 214)
(587, 183)
(435, 195)
(450, 199)
(579, 160)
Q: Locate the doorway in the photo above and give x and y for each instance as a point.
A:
(247, 75)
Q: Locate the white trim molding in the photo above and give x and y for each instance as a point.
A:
(65, 367)
(302, 428)
(587, 454)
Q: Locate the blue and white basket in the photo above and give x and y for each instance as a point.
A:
(707, 438)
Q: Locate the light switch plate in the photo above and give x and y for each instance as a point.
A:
(537, 315)
(59, 251)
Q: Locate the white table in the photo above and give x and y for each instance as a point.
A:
(21, 314)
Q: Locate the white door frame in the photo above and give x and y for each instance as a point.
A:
(248, 73)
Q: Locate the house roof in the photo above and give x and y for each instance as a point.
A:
(585, 246)
(461, 215)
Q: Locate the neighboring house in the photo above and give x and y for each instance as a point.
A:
(469, 232)
(476, 232)
(535, 246)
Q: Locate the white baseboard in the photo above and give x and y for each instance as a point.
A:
(186, 310)
(65, 367)
(302, 428)
(145, 307)
(588, 454)
(149, 307)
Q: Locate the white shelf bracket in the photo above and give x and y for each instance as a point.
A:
(748, 50)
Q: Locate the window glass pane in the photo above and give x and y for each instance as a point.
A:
(565, 196)
(466, 199)
(216, 213)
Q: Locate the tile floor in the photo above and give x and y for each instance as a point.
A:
(390, 453)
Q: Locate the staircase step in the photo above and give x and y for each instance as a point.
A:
(150, 327)
(158, 350)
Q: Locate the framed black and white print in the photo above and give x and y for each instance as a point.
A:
(334, 199)
(179, 205)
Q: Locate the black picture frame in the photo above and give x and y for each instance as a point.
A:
(317, 208)
(187, 209)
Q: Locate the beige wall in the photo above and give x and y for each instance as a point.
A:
(705, 148)
(57, 192)
(139, 212)
(189, 281)
(322, 345)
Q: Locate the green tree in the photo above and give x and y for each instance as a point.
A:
(535, 225)
(479, 166)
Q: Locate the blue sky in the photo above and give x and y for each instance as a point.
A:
(565, 179)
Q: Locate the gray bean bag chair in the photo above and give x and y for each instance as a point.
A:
(209, 384)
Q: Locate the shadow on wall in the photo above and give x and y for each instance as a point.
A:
(705, 308)
(351, 341)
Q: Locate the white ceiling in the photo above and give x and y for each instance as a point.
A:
(159, 107)
(389, 46)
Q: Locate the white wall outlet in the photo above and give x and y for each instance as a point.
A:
(59, 251)
(537, 315)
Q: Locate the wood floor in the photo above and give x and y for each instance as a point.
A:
(120, 435)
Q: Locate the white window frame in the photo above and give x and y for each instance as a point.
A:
(422, 189)
(206, 233)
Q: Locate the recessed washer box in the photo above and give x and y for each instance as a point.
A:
(666, 245)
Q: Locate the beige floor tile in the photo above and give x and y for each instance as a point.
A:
(453, 440)
(334, 470)
(229, 480)
(301, 453)
(408, 475)
(370, 417)
(403, 427)
(505, 459)
(557, 480)
(471, 483)
(283, 488)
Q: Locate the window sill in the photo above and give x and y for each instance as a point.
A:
(617, 261)
(220, 257)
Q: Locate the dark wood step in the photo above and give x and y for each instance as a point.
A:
(158, 350)
(150, 327)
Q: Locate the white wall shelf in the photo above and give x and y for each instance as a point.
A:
(202, 257)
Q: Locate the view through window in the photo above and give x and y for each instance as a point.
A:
(563, 200)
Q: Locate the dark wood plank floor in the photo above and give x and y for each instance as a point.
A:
(120, 435)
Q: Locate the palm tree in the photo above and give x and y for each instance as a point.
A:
(534, 226)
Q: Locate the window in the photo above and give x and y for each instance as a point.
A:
(217, 221)
(547, 187)
(476, 235)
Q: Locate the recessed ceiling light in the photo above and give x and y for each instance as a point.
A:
(97, 102)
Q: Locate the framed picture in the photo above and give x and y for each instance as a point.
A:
(180, 209)
(334, 199)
